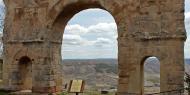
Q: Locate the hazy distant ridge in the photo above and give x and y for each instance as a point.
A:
(104, 72)
(187, 61)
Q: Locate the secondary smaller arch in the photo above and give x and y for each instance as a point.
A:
(150, 75)
(25, 73)
(24, 60)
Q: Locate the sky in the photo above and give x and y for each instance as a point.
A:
(187, 23)
(92, 34)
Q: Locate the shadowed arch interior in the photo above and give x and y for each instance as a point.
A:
(24, 60)
(25, 73)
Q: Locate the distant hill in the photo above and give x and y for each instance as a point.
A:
(187, 65)
(187, 61)
(152, 66)
(103, 73)
(84, 61)
(98, 73)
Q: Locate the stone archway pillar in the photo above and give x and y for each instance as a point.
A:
(170, 53)
(48, 76)
(172, 67)
(129, 68)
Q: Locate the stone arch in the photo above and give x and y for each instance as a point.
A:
(62, 7)
(146, 57)
(24, 59)
(23, 52)
(142, 70)
(63, 13)
(165, 38)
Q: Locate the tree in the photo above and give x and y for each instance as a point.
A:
(187, 81)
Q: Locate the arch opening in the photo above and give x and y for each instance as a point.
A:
(61, 19)
(90, 49)
(25, 73)
(150, 69)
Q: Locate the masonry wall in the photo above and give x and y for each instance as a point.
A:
(145, 28)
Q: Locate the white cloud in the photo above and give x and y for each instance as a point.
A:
(187, 5)
(99, 35)
(89, 54)
(99, 30)
(72, 40)
(103, 28)
(90, 42)
(187, 15)
(93, 10)
(76, 40)
(187, 24)
(103, 42)
(75, 29)
(1, 3)
(187, 48)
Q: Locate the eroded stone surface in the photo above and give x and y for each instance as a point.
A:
(34, 29)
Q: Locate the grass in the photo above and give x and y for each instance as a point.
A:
(3, 93)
